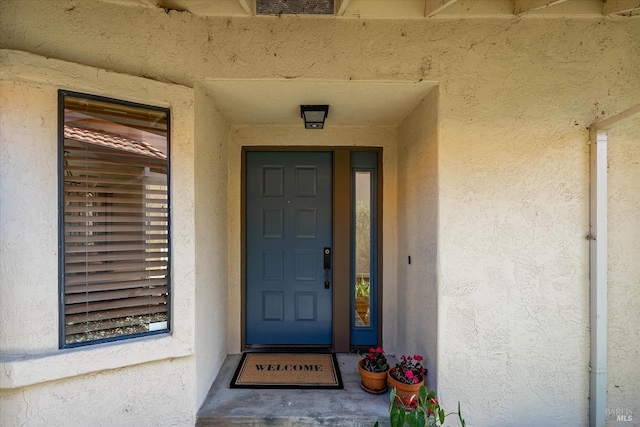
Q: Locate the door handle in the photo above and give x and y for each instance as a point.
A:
(327, 258)
(327, 267)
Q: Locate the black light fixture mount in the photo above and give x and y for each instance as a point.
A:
(314, 115)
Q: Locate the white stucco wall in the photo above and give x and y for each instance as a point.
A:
(623, 293)
(514, 164)
(99, 384)
(150, 394)
(418, 194)
(514, 259)
(210, 169)
(23, 264)
(516, 97)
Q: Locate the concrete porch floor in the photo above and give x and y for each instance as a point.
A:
(351, 407)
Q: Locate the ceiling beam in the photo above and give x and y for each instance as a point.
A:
(152, 3)
(617, 7)
(247, 7)
(433, 7)
(343, 7)
(525, 6)
(618, 119)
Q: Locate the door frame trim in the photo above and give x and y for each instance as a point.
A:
(341, 253)
(341, 241)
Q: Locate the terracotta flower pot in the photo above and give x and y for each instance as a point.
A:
(373, 382)
(405, 393)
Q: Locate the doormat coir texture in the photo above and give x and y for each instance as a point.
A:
(287, 370)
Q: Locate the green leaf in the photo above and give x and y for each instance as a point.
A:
(460, 416)
(413, 419)
(396, 417)
(423, 394)
(422, 411)
(441, 416)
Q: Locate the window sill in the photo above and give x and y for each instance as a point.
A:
(25, 370)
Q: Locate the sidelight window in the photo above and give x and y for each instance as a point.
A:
(364, 241)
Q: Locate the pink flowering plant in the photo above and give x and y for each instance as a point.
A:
(409, 370)
(375, 361)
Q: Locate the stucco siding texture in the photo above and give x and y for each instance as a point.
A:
(515, 98)
(28, 214)
(154, 394)
(417, 197)
(488, 57)
(623, 291)
(148, 381)
(211, 294)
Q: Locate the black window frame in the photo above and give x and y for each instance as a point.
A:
(62, 94)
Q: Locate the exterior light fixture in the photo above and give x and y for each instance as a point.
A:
(314, 115)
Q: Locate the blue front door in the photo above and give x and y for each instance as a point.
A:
(288, 227)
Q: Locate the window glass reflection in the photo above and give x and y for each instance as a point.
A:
(363, 248)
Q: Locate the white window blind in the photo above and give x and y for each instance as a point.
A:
(115, 221)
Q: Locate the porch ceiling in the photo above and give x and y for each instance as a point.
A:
(351, 103)
(412, 9)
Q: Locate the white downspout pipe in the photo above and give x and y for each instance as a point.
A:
(598, 263)
(598, 278)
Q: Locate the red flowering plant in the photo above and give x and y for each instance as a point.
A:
(425, 410)
(409, 370)
(375, 361)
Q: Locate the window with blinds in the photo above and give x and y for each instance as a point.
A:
(114, 225)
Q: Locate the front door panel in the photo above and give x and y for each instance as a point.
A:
(289, 224)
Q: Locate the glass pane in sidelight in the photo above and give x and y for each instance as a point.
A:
(362, 249)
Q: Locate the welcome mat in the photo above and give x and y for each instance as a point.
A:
(287, 370)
